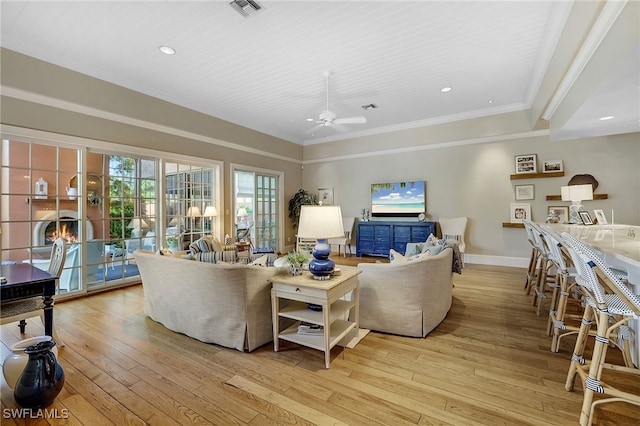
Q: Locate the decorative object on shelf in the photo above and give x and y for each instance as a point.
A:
(600, 217)
(41, 189)
(422, 217)
(560, 213)
(94, 188)
(586, 218)
(552, 166)
(365, 214)
(14, 363)
(42, 378)
(299, 199)
(584, 179)
(576, 194)
(321, 223)
(524, 192)
(72, 193)
(325, 196)
(518, 212)
(526, 163)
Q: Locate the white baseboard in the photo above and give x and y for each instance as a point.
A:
(516, 262)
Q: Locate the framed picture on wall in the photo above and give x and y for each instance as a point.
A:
(526, 163)
(519, 211)
(561, 212)
(524, 192)
(551, 166)
(325, 196)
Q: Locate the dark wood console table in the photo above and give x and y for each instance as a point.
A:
(24, 281)
(376, 238)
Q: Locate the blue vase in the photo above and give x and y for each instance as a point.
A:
(42, 378)
(321, 266)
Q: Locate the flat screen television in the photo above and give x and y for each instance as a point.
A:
(402, 199)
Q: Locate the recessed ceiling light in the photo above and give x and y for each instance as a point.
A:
(167, 50)
(310, 119)
(490, 101)
(445, 89)
(608, 117)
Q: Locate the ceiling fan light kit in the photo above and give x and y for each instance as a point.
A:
(328, 118)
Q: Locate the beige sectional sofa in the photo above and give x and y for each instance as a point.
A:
(225, 304)
(408, 298)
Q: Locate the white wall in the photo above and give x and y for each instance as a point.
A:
(473, 180)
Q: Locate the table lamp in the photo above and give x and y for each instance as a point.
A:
(321, 223)
(193, 212)
(137, 225)
(210, 212)
(576, 194)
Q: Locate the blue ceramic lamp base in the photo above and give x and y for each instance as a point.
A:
(321, 267)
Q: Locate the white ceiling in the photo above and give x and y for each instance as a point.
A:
(265, 72)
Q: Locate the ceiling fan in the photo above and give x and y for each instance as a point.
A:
(328, 118)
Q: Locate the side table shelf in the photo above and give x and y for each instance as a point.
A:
(338, 316)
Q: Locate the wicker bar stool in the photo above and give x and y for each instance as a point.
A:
(534, 259)
(545, 286)
(612, 305)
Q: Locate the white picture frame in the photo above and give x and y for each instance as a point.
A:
(552, 166)
(325, 196)
(519, 211)
(524, 192)
(600, 217)
(526, 163)
(562, 212)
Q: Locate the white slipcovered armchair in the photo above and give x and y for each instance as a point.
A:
(407, 298)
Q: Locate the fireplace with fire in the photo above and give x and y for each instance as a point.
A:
(46, 231)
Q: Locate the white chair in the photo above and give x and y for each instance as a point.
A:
(20, 310)
(453, 228)
(349, 226)
(149, 241)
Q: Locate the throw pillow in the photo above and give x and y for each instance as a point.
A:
(432, 240)
(261, 261)
(395, 257)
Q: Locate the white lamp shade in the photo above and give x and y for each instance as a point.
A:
(242, 212)
(137, 224)
(210, 211)
(577, 192)
(320, 222)
(194, 211)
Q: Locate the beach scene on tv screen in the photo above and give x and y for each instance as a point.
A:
(397, 197)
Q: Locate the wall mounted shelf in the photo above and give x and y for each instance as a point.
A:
(595, 197)
(512, 225)
(536, 175)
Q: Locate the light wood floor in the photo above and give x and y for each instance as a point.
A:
(488, 363)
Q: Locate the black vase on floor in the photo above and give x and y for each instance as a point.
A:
(42, 378)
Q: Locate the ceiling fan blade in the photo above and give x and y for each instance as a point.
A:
(339, 127)
(350, 120)
(313, 129)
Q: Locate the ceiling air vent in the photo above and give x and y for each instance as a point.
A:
(246, 8)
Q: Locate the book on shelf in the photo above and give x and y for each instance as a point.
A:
(311, 329)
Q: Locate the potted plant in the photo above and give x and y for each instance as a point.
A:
(296, 259)
(299, 199)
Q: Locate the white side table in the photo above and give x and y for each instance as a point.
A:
(334, 317)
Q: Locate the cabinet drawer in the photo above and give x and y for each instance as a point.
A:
(304, 291)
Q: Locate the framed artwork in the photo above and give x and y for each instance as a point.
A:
(325, 196)
(562, 212)
(518, 212)
(527, 163)
(586, 218)
(600, 217)
(524, 192)
(551, 166)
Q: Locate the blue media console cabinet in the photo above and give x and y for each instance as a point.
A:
(376, 238)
